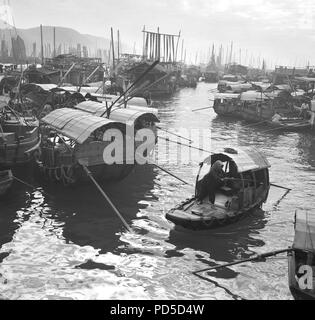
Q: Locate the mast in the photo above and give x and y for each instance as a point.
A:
(41, 44)
(118, 45)
(177, 46)
(144, 46)
(182, 53)
(113, 49)
(54, 54)
(231, 53)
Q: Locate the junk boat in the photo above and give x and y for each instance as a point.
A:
(19, 138)
(6, 180)
(247, 188)
(72, 137)
(301, 259)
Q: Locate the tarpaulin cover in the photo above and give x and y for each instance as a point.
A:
(246, 159)
(75, 124)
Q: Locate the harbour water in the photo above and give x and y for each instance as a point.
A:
(66, 243)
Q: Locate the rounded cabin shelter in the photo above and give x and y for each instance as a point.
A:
(71, 137)
(247, 184)
(139, 117)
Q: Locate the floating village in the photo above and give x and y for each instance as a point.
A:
(58, 103)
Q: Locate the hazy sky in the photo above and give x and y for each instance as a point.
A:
(283, 31)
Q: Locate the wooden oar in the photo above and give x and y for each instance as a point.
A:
(164, 170)
(171, 174)
(280, 187)
(256, 257)
(89, 174)
(201, 109)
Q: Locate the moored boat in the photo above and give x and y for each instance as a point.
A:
(72, 138)
(247, 188)
(19, 139)
(301, 260)
(6, 180)
(277, 109)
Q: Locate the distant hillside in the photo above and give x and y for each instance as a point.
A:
(64, 36)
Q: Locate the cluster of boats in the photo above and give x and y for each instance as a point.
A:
(59, 129)
(280, 106)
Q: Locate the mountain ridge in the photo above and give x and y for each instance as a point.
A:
(65, 37)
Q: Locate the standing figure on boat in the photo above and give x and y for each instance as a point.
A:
(212, 182)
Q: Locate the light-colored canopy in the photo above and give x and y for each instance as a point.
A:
(257, 96)
(305, 79)
(124, 115)
(83, 90)
(239, 87)
(76, 124)
(246, 159)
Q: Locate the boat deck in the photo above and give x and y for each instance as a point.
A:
(206, 208)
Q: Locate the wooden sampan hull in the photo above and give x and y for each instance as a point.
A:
(220, 218)
(6, 180)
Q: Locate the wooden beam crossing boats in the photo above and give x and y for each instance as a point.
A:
(247, 188)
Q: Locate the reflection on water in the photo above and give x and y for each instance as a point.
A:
(66, 243)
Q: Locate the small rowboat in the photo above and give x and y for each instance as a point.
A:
(301, 259)
(247, 188)
(6, 180)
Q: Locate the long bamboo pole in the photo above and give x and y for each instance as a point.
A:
(89, 174)
(129, 89)
(256, 257)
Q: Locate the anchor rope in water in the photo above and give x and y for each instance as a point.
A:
(29, 185)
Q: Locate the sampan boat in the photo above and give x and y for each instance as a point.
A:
(301, 259)
(72, 137)
(247, 188)
(6, 180)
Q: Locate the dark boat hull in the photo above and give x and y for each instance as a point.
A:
(234, 112)
(19, 152)
(221, 218)
(6, 180)
(296, 291)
